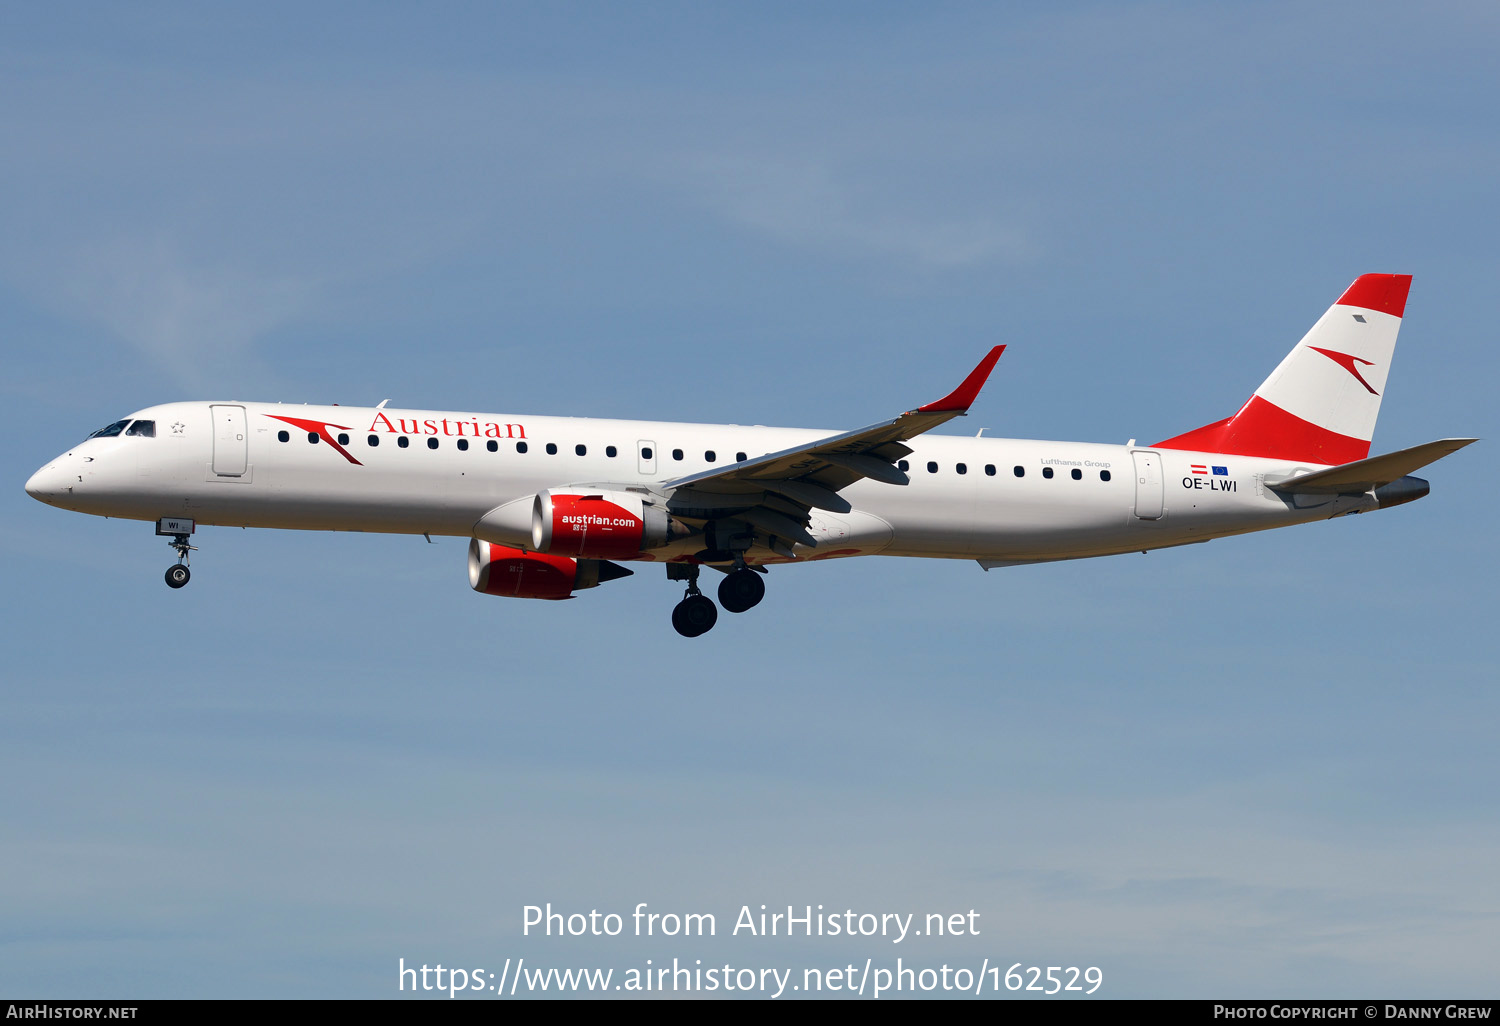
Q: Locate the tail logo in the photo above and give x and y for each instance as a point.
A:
(1347, 362)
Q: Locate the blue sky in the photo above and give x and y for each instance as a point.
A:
(1260, 767)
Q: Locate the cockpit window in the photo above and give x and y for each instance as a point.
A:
(111, 431)
(143, 429)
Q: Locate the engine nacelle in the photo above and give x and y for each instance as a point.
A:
(499, 570)
(598, 524)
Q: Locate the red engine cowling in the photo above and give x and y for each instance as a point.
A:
(600, 525)
(499, 570)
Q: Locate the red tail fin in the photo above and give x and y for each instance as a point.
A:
(1319, 405)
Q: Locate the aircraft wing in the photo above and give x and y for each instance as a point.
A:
(774, 492)
(1375, 472)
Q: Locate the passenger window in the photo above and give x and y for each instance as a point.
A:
(989, 470)
(1077, 474)
(1047, 473)
(111, 430)
(312, 436)
(374, 440)
(1104, 475)
(403, 441)
(1019, 471)
(962, 468)
(343, 438)
(282, 436)
(143, 429)
(520, 447)
(646, 453)
(463, 444)
(739, 457)
(710, 456)
(931, 468)
(432, 443)
(903, 466)
(492, 445)
(677, 454)
(611, 451)
(581, 450)
(551, 448)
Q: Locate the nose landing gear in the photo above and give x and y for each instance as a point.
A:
(179, 530)
(179, 574)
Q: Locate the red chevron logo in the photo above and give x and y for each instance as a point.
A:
(1347, 362)
(319, 428)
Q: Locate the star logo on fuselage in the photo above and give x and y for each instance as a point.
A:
(1347, 362)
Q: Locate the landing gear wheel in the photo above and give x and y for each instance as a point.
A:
(694, 615)
(178, 575)
(741, 590)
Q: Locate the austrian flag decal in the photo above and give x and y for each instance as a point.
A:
(1204, 477)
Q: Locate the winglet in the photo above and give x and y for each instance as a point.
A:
(962, 397)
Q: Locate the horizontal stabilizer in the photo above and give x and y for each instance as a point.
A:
(1367, 474)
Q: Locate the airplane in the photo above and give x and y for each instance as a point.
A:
(556, 505)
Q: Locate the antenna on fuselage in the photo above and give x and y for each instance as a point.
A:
(382, 404)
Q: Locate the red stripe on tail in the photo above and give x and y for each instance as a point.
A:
(1264, 429)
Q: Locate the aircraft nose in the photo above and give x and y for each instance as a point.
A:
(48, 483)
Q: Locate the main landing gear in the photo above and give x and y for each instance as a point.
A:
(696, 613)
(741, 589)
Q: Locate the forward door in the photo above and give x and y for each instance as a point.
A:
(231, 443)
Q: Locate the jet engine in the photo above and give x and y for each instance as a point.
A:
(498, 570)
(597, 523)
(600, 524)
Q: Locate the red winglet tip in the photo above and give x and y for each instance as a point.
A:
(1385, 293)
(962, 397)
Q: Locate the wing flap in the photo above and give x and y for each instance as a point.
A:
(809, 494)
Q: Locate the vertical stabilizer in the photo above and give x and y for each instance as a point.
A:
(1319, 405)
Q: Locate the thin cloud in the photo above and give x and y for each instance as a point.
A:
(807, 203)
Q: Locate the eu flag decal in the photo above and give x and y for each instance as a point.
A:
(1221, 471)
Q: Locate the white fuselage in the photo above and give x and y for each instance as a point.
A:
(988, 499)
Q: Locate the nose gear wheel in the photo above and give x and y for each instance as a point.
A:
(178, 574)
